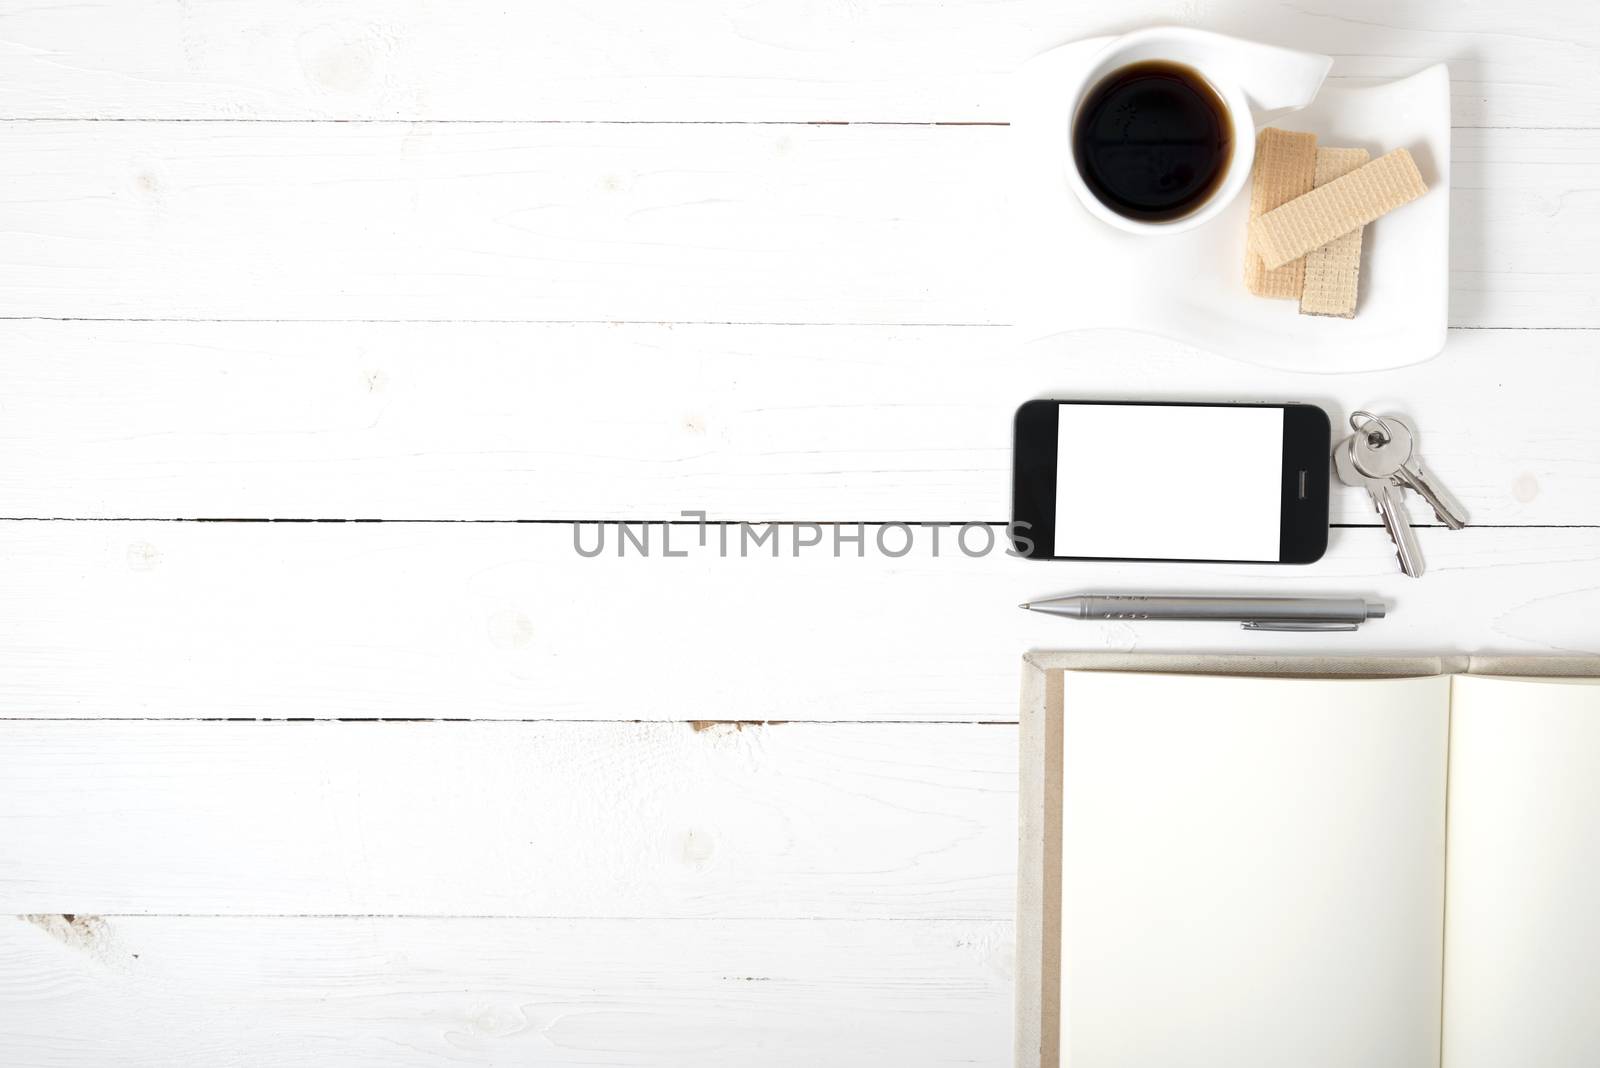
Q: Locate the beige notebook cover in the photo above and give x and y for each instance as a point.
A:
(1136, 980)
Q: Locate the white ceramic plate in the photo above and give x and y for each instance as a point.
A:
(1076, 273)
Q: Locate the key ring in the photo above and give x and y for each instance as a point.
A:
(1384, 434)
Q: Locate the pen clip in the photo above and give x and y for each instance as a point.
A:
(1296, 625)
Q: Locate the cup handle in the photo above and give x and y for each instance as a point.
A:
(1275, 80)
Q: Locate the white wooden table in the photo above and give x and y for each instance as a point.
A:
(325, 321)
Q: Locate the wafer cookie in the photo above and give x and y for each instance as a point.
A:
(1285, 168)
(1369, 192)
(1333, 272)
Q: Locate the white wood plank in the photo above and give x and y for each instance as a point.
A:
(855, 224)
(712, 223)
(584, 421)
(1520, 212)
(305, 993)
(1514, 63)
(528, 819)
(482, 621)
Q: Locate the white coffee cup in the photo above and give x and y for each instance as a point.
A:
(1255, 82)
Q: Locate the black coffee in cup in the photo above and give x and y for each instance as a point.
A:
(1152, 140)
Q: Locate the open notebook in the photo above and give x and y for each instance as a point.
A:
(1240, 870)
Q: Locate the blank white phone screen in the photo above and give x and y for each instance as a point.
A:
(1169, 482)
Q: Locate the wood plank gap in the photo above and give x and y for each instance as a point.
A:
(323, 121)
(698, 724)
(635, 522)
(521, 917)
(516, 122)
(532, 322)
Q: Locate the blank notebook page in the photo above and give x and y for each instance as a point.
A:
(1522, 932)
(1252, 871)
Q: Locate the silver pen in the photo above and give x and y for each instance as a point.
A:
(1253, 613)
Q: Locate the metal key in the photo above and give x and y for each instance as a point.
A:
(1387, 447)
(1386, 499)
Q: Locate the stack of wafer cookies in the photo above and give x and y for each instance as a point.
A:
(1308, 207)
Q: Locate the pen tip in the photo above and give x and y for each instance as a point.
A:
(1025, 605)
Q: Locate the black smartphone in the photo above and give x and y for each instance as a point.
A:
(1199, 483)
